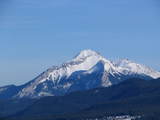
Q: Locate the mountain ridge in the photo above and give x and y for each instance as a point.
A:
(85, 71)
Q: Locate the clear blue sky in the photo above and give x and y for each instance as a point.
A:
(36, 34)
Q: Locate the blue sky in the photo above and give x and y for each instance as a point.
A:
(36, 34)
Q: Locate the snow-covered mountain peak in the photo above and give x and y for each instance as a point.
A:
(85, 71)
(85, 54)
(85, 60)
(88, 60)
(127, 66)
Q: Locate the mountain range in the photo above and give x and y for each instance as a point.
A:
(87, 70)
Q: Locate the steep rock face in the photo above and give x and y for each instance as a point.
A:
(86, 71)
